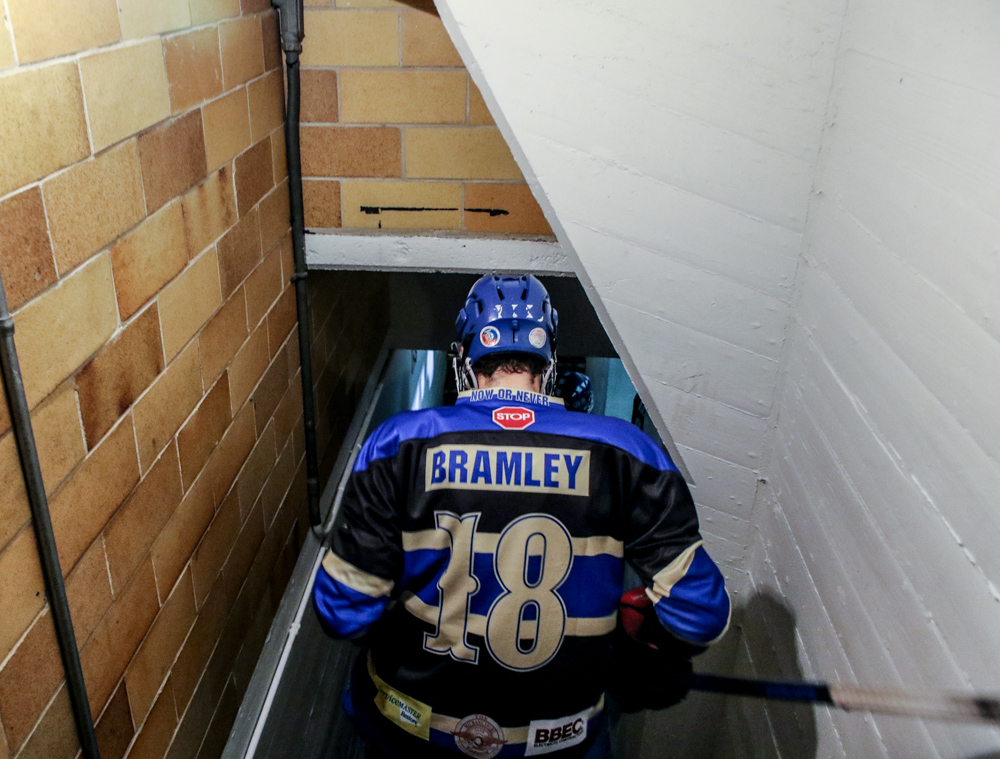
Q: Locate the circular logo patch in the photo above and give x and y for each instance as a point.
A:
(537, 337)
(489, 336)
(479, 736)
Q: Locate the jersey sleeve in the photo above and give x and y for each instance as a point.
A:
(362, 566)
(685, 585)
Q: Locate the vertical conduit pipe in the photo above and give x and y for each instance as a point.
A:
(292, 33)
(55, 588)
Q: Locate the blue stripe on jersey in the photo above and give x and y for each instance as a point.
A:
(489, 586)
(594, 586)
(422, 569)
(343, 611)
(592, 589)
(467, 416)
(446, 741)
(697, 608)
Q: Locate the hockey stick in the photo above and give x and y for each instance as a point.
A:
(927, 704)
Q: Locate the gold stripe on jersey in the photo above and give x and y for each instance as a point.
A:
(417, 718)
(582, 627)
(508, 468)
(355, 578)
(670, 575)
(486, 542)
(450, 725)
(413, 716)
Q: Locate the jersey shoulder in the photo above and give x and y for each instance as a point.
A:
(426, 424)
(384, 442)
(618, 433)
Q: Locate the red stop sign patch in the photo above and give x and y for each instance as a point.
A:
(514, 417)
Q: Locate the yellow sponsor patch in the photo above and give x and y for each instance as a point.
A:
(510, 468)
(411, 715)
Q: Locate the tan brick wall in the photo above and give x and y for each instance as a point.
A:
(144, 246)
(395, 134)
(349, 322)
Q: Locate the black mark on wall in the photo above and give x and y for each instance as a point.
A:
(490, 211)
(374, 210)
(371, 210)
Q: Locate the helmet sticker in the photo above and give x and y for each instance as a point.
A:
(537, 337)
(489, 336)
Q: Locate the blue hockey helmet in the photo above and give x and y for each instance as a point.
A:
(505, 314)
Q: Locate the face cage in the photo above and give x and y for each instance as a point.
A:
(465, 378)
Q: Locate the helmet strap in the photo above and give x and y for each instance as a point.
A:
(549, 377)
(459, 384)
(469, 375)
(465, 378)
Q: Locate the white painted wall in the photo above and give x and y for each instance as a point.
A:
(672, 146)
(885, 473)
(788, 215)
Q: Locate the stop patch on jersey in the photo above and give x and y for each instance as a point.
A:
(514, 417)
(508, 468)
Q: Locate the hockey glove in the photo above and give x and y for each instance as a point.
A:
(650, 668)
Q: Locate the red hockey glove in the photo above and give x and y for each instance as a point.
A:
(650, 668)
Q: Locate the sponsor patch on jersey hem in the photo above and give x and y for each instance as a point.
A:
(410, 714)
(479, 736)
(547, 735)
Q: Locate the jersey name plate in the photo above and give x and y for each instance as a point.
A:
(508, 468)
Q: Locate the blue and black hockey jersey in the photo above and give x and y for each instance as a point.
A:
(487, 540)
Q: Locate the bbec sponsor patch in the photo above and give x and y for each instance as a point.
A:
(549, 735)
(514, 417)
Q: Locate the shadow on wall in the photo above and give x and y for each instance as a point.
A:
(710, 726)
(767, 651)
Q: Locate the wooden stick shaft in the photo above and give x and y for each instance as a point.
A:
(924, 704)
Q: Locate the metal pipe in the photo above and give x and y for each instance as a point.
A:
(292, 34)
(55, 588)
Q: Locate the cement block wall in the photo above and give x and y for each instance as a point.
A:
(395, 135)
(145, 249)
(788, 214)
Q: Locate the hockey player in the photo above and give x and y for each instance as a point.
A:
(480, 551)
